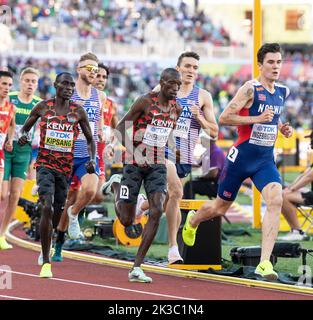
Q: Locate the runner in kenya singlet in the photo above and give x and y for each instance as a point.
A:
(57, 137)
(152, 130)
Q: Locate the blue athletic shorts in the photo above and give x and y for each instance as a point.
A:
(233, 175)
(183, 169)
(79, 168)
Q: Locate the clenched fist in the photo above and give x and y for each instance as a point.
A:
(266, 116)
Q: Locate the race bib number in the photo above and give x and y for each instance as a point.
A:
(61, 141)
(81, 135)
(263, 135)
(232, 154)
(2, 140)
(124, 192)
(182, 128)
(156, 136)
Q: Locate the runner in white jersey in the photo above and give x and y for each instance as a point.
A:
(91, 99)
(197, 113)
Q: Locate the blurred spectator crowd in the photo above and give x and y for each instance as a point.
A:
(122, 21)
(128, 80)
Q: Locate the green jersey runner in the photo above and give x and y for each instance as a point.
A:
(16, 162)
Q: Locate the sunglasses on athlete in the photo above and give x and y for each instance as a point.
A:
(90, 68)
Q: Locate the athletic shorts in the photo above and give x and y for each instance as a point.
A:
(79, 168)
(183, 169)
(16, 163)
(34, 154)
(308, 198)
(1, 160)
(233, 175)
(52, 182)
(153, 177)
(75, 183)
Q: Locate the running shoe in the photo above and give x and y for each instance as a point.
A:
(265, 270)
(57, 257)
(73, 225)
(137, 275)
(46, 271)
(189, 233)
(106, 188)
(4, 245)
(294, 235)
(174, 256)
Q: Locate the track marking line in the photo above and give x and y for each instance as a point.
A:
(12, 297)
(103, 286)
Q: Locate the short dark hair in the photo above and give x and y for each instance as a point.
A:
(267, 47)
(188, 54)
(6, 74)
(103, 66)
(169, 72)
(57, 79)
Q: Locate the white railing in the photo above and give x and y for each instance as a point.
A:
(105, 49)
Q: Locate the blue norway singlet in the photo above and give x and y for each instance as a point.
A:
(253, 153)
(258, 140)
(187, 127)
(92, 107)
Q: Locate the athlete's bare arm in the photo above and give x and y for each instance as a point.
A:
(207, 121)
(103, 98)
(84, 124)
(11, 130)
(305, 178)
(114, 119)
(243, 99)
(130, 117)
(35, 113)
(285, 129)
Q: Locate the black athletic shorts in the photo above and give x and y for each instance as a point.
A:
(53, 182)
(308, 198)
(154, 178)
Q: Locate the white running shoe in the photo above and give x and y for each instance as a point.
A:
(73, 225)
(294, 235)
(140, 200)
(174, 256)
(137, 275)
(106, 188)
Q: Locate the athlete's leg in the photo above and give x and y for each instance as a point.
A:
(211, 209)
(126, 194)
(46, 182)
(89, 183)
(70, 200)
(172, 210)
(156, 201)
(99, 195)
(289, 210)
(272, 195)
(16, 187)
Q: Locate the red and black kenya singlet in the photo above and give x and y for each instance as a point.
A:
(57, 136)
(152, 130)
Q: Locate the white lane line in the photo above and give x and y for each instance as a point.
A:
(103, 286)
(12, 297)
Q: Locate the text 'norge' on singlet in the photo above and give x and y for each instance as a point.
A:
(259, 138)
